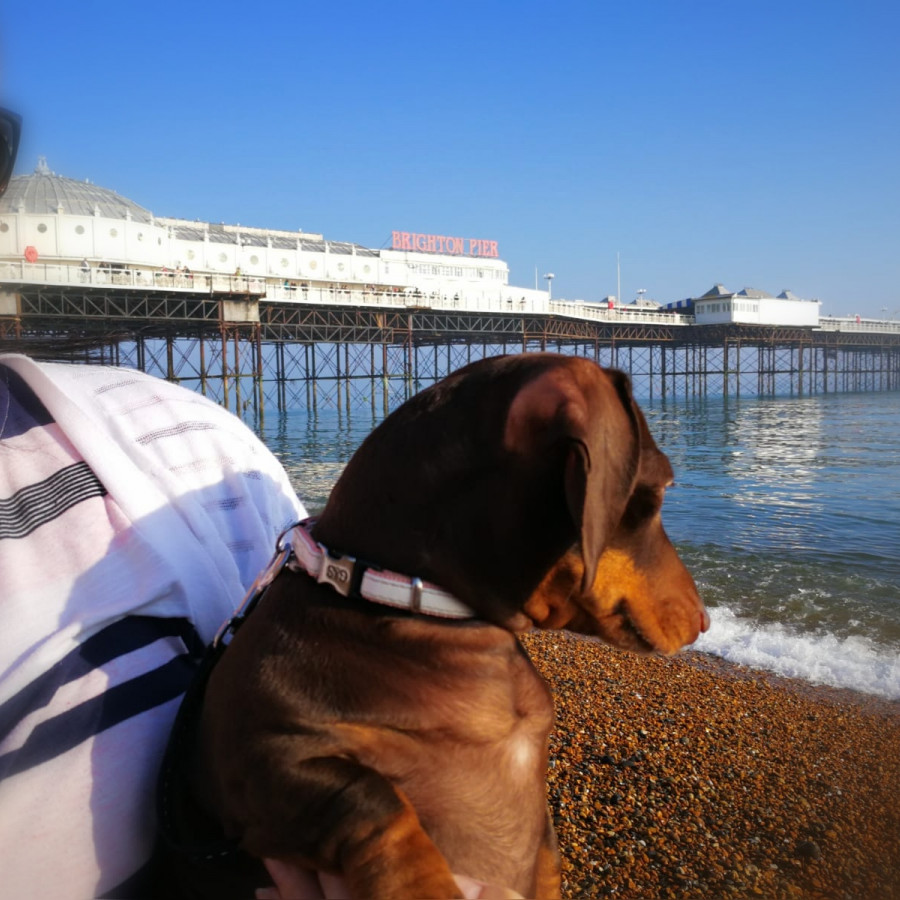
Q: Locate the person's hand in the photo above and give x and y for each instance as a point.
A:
(294, 883)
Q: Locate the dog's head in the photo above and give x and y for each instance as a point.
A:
(530, 487)
(623, 581)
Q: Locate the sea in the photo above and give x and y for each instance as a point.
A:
(786, 510)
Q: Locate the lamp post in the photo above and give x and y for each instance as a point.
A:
(549, 276)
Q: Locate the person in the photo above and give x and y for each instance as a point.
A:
(134, 515)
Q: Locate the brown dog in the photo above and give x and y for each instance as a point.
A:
(396, 748)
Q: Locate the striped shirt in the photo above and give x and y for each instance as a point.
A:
(133, 516)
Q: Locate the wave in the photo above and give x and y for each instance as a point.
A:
(852, 662)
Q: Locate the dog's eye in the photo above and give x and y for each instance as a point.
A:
(645, 503)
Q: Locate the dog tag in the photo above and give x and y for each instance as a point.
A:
(336, 571)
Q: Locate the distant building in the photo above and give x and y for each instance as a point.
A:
(719, 306)
(643, 303)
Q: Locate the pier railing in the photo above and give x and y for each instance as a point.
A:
(302, 292)
(406, 299)
(856, 323)
(617, 314)
(295, 291)
(117, 277)
(396, 298)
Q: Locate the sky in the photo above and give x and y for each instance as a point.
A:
(755, 144)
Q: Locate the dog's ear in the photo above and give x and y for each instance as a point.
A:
(590, 411)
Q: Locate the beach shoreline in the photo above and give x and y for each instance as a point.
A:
(694, 777)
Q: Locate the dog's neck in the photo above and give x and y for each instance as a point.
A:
(352, 577)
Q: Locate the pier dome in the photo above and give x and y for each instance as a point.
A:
(45, 193)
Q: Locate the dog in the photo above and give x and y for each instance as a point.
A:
(395, 747)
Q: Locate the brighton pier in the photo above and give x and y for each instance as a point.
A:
(260, 319)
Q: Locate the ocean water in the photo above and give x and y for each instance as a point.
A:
(785, 510)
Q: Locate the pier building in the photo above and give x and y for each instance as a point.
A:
(264, 316)
(719, 306)
(87, 234)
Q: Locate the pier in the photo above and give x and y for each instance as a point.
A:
(257, 344)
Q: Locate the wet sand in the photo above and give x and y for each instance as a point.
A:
(690, 777)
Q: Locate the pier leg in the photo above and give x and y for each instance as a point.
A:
(337, 379)
(259, 400)
(237, 373)
(202, 364)
(224, 367)
(372, 378)
(280, 397)
(306, 377)
(663, 376)
(384, 379)
(725, 369)
(347, 377)
(314, 382)
(170, 359)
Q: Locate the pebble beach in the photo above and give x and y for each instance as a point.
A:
(691, 777)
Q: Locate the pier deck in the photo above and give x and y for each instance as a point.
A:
(251, 344)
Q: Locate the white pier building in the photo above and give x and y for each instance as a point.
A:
(79, 232)
(58, 231)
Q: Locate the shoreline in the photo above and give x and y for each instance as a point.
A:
(822, 693)
(694, 777)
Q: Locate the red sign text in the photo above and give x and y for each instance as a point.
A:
(439, 243)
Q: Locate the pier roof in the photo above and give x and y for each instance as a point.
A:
(717, 290)
(45, 192)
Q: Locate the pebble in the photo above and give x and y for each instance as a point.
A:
(689, 777)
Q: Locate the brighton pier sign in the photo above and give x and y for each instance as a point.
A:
(439, 243)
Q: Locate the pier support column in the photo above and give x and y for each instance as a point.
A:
(311, 374)
(237, 372)
(280, 398)
(663, 376)
(224, 335)
(202, 364)
(347, 376)
(170, 359)
(385, 398)
(337, 379)
(259, 399)
(725, 368)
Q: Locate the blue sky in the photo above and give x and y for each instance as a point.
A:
(754, 144)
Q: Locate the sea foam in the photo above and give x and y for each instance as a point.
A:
(851, 662)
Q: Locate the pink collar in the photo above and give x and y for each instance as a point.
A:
(296, 549)
(350, 577)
